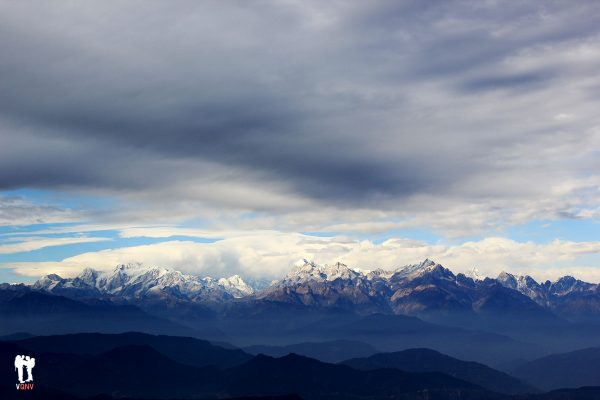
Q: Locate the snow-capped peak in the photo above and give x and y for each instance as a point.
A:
(236, 286)
(304, 271)
(507, 280)
(339, 270)
(47, 282)
(426, 266)
(568, 284)
(379, 273)
(516, 281)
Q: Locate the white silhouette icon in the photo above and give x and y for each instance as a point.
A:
(27, 362)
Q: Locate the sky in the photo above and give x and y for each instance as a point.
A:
(237, 137)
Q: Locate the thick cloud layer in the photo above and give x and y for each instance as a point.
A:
(457, 112)
(271, 255)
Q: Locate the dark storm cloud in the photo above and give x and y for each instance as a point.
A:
(340, 103)
(519, 81)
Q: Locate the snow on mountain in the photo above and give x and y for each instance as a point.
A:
(136, 281)
(365, 291)
(380, 274)
(532, 289)
(422, 287)
(236, 286)
(523, 284)
(566, 296)
(47, 282)
(305, 271)
(416, 269)
(426, 267)
(425, 288)
(258, 284)
(507, 280)
(568, 284)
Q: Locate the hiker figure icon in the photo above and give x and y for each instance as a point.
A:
(24, 362)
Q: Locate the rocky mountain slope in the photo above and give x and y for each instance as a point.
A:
(567, 296)
(427, 289)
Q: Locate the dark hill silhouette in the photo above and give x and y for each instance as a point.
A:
(566, 370)
(583, 393)
(185, 350)
(17, 336)
(312, 379)
(141, 371)
(427, 360)
(390, 333)
(22, 309)
(330, 351)
(135, 370)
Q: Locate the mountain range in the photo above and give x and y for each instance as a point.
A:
(426, 290)
(500, 322)
(136, 281)
(23, 309)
